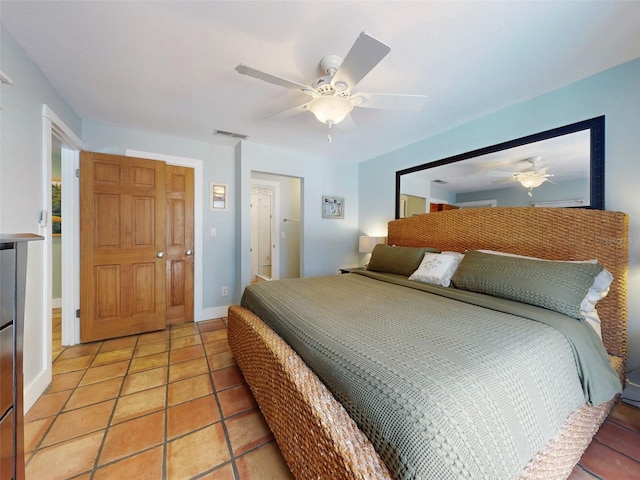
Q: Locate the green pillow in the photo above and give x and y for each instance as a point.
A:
(558, 286)
(399, 260)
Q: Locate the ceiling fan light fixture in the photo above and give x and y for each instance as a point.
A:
(330, 109)
(530, 179)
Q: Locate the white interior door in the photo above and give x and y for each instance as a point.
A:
(264, 231)
(261, 234)
(264, 235)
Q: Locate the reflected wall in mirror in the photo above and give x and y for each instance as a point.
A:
(562, 167)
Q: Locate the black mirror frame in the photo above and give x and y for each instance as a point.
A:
(596, 125)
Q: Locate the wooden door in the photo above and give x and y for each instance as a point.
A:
(179, 244)
(122, 241)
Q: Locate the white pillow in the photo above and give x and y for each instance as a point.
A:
(437, 268)
(598, 290)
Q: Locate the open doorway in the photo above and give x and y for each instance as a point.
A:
(276, 226)
(264, 232)
(40, 339)
(56, 246)
(61, 164)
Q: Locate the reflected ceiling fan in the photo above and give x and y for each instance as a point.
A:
(332, 95)
(531, 177)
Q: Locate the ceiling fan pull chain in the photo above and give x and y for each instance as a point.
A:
(329, 134)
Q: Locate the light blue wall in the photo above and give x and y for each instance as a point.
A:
(21, 130)
(23, 186)
(614, 93)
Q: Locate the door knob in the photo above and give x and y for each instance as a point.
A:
(160, 254)
(189, 252)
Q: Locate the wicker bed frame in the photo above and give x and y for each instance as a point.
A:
(317, 437)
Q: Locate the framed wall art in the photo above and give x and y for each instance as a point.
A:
(218, 197)
(332, 207)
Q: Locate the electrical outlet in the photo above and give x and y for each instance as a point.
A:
(225, 291)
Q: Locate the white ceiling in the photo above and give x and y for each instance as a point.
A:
(168, 66)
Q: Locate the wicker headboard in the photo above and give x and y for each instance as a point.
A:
(549, 233)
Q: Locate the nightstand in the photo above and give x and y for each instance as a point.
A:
(351, 269)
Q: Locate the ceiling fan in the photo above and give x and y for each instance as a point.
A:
(332, 96)
(531, 177)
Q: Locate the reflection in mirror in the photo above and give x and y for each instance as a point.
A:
(563, 167)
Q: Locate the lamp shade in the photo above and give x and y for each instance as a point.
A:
(366, 244)
(329, 109)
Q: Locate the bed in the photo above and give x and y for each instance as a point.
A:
(321, 437)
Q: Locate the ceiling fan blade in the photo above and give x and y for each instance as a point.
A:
(365, 54)
(389, 101)
(289, 112)
(505, 180)
(496, 173)
(267, 77)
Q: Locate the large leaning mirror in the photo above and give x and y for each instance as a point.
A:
(562, 167)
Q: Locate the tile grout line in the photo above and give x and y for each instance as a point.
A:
(225, 430)
(590, 473)
(96, 467)
(165, 446)
(634, 460)
(166, 439)
(38, 446)
(166, 408)
(115, 406)
(622, 425)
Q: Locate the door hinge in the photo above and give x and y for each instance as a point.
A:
(77, 172)
(78, 313)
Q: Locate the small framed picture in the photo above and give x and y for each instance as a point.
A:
(332, 207)
(218, 197)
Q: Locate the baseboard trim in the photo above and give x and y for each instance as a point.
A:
(212, 312)
(36, 388)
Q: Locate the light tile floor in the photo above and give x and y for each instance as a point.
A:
(163, 405)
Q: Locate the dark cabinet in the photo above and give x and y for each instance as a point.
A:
(13, 265)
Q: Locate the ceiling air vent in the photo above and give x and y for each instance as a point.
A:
(230, 134)
(441, 182)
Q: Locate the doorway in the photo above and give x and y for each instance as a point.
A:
(276, 226)
(56, 246)
(63, 161)
(264, 254)
(40, 341)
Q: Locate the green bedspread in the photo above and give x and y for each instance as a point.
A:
(469, 387)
